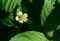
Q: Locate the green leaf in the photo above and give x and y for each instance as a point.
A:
(59, 1)
(9, 5)
(13, 4)
(50, 33)
(58, 27)
(30, 36)
(11, 16)
(7, 22)
(46, 10)
(19, 8)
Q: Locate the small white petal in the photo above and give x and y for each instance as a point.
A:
(19, 13)
(21, 21)
(17, 18)
(26, 19)
(25, 15)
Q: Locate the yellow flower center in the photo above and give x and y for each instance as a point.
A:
(21, 17)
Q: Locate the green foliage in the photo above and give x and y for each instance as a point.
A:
(46, 10)
(48, 24)
(9, 5)
(30, 36)
(50, 18)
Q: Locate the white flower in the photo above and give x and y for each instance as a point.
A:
(22, 17)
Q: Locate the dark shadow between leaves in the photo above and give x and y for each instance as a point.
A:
(34, 12)
(3, 14)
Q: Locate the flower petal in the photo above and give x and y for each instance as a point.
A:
(26, 19)
(19, 13)
(21, 21)
(17, 18)
(25, 15)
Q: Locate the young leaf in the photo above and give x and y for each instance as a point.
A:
(30, 36)
(11, 16)
(46, 10)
